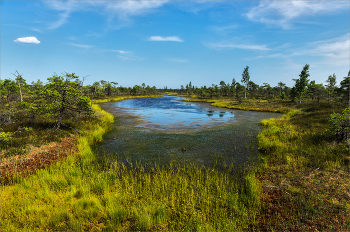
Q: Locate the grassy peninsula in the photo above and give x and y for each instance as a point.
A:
(304, 175)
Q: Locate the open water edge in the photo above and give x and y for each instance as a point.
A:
(135, 139)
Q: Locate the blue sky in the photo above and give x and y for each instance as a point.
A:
(169, 43)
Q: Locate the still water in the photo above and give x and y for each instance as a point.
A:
(166, 129)
(173, 114)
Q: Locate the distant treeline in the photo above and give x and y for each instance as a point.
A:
(66, 95)
(303, 89)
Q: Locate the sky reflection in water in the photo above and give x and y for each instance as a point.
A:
(154, 130)
(172, 113)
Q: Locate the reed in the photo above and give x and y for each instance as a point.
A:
(304, 174)
(304, 171)
(76, 193)
(250, 105)
(301, 183)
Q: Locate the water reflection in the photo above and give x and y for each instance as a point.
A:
(154, 130)
(171, 112)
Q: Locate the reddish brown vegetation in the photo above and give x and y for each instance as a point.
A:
(37, 158)
(304, 200)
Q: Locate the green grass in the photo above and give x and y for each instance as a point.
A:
(110, 99)
(250, 105)
(304, 171)
(301, 184)
(309, 173)
(75, 194)
(174, 198)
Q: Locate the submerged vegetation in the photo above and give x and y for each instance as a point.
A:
(75, 194)
(51, 180)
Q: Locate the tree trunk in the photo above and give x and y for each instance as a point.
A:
(9, 117)
(20, 90)
(9, 100)
(82, 90)
(349, 95)
(18, 78)
(93, 97)
(59, 119)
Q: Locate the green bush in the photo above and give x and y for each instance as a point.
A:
(340, 125)
(5, 137)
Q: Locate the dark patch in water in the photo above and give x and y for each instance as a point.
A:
(154, 130)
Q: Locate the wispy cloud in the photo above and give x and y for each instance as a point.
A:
(66, 8)
(62, 20)
(36, 30)
(239, 46)
(282, 13)
(223, 29)
(73, 38)
(81, 45)
(196, 7)
(29, 40)
(169, 38)
(334, 52)
(120, 51)
(126, 55)
(177, 60)
(121, 9)
(274, 55)
(92, 34)
(127, 8)
(130, 57)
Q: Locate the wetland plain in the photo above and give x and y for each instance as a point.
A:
(166, 129)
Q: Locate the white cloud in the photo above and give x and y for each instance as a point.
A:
(169, 38)
(80, 45)
(282, 13)
(240, 46)
(30, 39)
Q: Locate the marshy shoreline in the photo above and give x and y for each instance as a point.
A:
(74, 194)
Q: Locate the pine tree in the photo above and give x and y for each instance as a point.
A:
(62, 95)
(302, 82)
(245, 80)
(332, 81)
